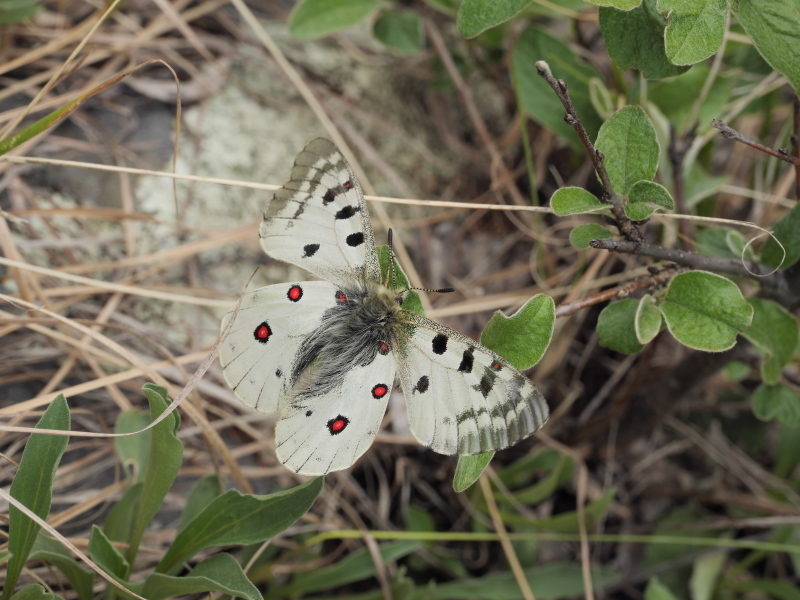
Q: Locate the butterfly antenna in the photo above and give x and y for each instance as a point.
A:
(390, 276)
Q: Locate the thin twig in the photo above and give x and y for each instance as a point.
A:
(732, 134)
(623, 223)
(678, 146)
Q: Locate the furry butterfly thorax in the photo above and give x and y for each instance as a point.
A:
(325, 355)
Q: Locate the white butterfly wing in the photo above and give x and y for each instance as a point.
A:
(319, 221)
(328, 432)
(271, 324)
(463, 398)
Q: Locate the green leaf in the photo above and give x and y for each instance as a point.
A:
(132, 450)
(766, 588)
(16, 11)
(656, 590)
(220, 573)
(118, 526)
(201, 495)
(737, 370)
(777, 402)
(583, 234)
(628, 141)
(535, 94)
(522, 338)
(163, 462)
(645, 197)
(400, 30)
(774, 27)
(543, 489)
(601, 98)
(548, 582)
(618, 4)
(418, 519)
(696, 29)
(54, 552)
(775, 332)
(787, 230)
(240, 519)
(635, 39)
(399, 281)
(699, 185)
(616, 326)
(677, 97)
(106, 555)
(705, 311)
(648, 320)
(574, 201)
(34, 592)
(476, 16)
(469, 468)
(317, 18)
(722, 242)
(705, 573)
(357, 566)
(448, 7)
(33, 487)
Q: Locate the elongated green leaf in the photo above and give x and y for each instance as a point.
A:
(581, 235)
(774, 27)
(777, 402)
(357, 566)
(401, 31)
(33, 487)
(202, 494)
(469, 468)
(775, 332)
(635, 39)
(118, 526)
(538, 98)
(705, 311)
(602, 100)
(106, 555)
(220, 573)
(619, 4)
(787, 230)
(54, 552)
(476, 16)
(645, 197)
(616, 326)
(163, 462)
(705, 573)
(133, 450)
(696, 29)
(316, 18)
(566, 522)
(574, 201)
(631, 148)
(656, 590)
(648, 320)
(559, 475)
(240, 519)
(34, 592)
(522, 338)
(547, 582)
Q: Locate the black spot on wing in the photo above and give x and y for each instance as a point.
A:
(310, 250)
(329, 197)
(422, 384)
(467, 360)
(486, 383)
(355, 239)
(439, 343)
(346, 212)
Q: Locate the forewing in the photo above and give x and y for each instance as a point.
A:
(328, 432)
(463, 398)
(269, 328)
(319, 221)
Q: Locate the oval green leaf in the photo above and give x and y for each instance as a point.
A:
(616, 326)
(522, 338)
(696, 29)
(240, 519)
(33, 487)
(777, 402)
(574, 201)
(645, 198)
(469, 468)
(34, 592)
(316, 18)
(787, 230)
(132, 450)
(401, 31)
(583, 234)
(705, 311)
(774, 27)
(775, 332)
(628, 141)
(635, 40)
(220, 573)
(648, 320)
(106, 555)
(476, 16)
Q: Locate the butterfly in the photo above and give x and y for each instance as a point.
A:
(325, 355)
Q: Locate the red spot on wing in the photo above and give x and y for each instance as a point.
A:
(295, 293)
(383, 349)
(380, 390)
(341, 296)
(496, 366)
(348, 185)
(338, 424)
(262, 333)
